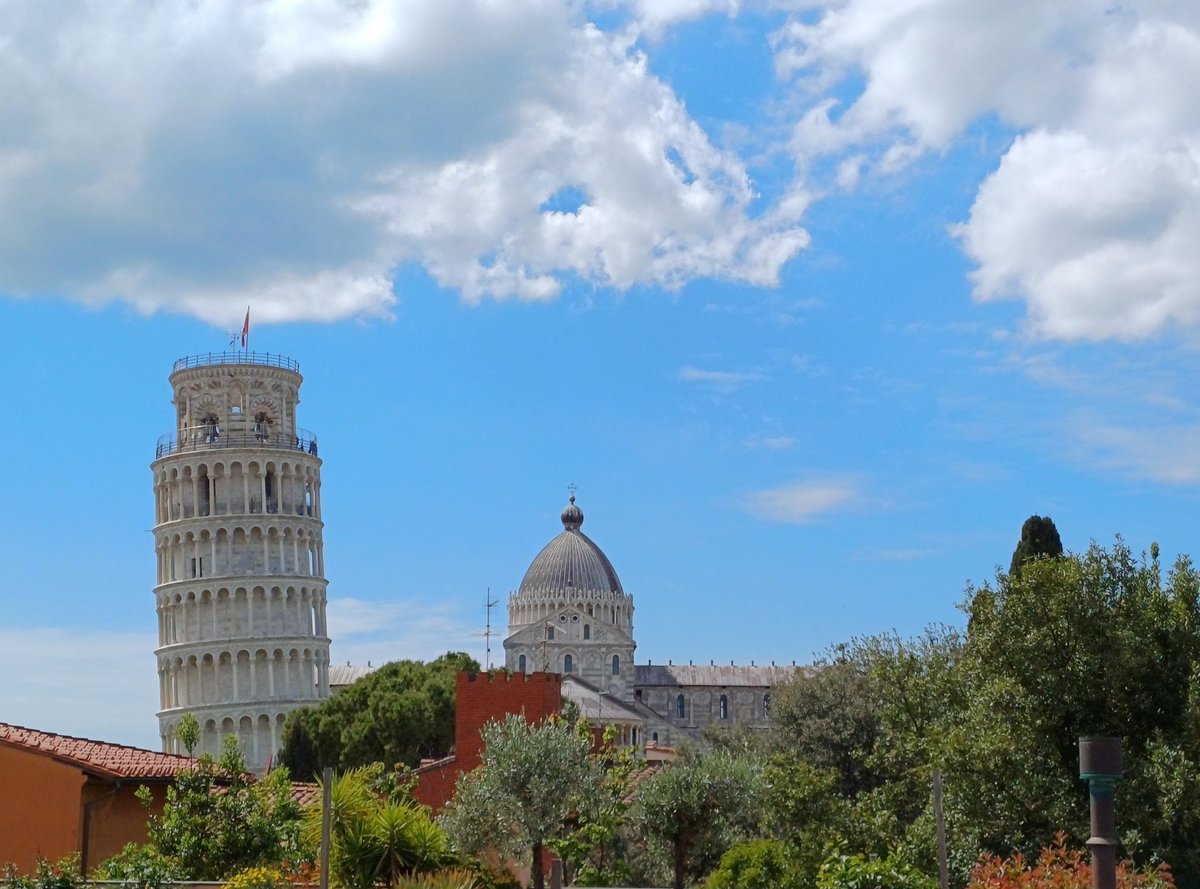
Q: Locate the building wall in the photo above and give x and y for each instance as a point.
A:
(44, 804)
(116, 818)
(702, 707)
(40, 815)
(481, 698)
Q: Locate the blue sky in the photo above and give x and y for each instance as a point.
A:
(815, 303)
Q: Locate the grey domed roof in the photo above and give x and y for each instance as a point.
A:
(571, 562)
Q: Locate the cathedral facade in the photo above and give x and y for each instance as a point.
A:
(570, 615)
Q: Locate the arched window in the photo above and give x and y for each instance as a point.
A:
(654, 737)
(568, 663)
(767, 704)
(549, 632)
(680, 707)
(521, 664)
(587, 631)
(724, 706)
(616, 666)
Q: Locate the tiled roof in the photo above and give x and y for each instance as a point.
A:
(98, 758)
(306, 794)
(711, 674)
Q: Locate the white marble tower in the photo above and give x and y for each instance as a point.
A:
(241, 580)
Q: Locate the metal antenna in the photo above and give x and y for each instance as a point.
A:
(489, 603)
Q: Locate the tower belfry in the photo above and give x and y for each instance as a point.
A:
(242, 635)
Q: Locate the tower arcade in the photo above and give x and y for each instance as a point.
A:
(240, 593)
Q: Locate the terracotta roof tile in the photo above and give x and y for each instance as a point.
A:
(99, 758)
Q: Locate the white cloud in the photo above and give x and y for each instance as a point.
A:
(654, 16)
(896, 554)
(87, 683)
(1166, 453)
(195, 157)
(801, 502)
(365, 631)
(771, 442)
(720, 380)
(1094, 212)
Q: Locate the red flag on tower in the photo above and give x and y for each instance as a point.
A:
(246, 327)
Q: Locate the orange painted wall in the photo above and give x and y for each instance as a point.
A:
(115, 819)
(40, 816)
(42, 811)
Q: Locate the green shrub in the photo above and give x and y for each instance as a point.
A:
(762, 864)
(143, 867)
(841, 871)
(62, 873)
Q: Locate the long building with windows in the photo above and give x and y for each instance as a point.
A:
(240, 593)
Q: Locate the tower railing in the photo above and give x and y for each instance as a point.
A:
(262, 359)
(208, 438)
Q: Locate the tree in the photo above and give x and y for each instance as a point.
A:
(596, 852)
(1039, 539)
(533, 779)
(855, 741)
(1091, 644)
(400, 714)
(217, 820)
(695, 808)
(188, 732)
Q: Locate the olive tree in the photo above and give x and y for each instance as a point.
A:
(532, 782)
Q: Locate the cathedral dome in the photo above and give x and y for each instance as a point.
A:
(571, 562)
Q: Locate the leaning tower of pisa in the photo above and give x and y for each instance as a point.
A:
(242, 638)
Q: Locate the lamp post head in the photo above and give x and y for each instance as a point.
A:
(1100, 758)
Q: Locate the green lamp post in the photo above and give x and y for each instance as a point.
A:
(1100, 765)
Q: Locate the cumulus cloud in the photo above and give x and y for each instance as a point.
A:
(199, 156)
(1093, 214)
(801, 502)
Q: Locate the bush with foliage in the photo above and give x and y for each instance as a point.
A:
(841, 871)
(376, 838)
(1059, 867)
(62, 873)
(143, 867)
(760, 864)
(217, 820)
(447, 879)
(258, 878)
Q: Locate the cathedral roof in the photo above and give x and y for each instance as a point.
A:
(571, 562)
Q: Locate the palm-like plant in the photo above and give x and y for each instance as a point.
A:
(376, 841)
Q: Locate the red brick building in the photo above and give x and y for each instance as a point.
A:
(481, 698)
